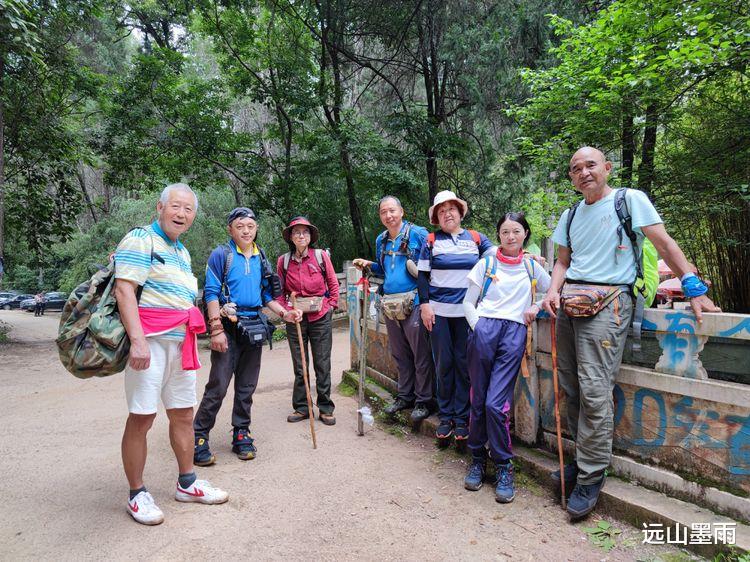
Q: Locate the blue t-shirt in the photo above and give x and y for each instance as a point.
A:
(598, 255)
(397, 278)
(453, 257)
(245, 281)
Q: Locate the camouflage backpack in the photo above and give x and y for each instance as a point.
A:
(91, 339)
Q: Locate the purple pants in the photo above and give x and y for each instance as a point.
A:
(495, 352)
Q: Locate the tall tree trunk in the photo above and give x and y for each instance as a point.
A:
(81, 175)
(332, 36)
(628, 143)
(646, 169)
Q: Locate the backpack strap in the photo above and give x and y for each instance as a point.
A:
(626, 225)
(571, 214)
(529, 265)
(475, 236)
(490, 268)
(639, 286)
(318, 252)
(228, 258)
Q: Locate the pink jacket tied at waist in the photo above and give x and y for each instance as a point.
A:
(162, 320)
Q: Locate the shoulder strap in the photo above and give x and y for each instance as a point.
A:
(319, 258)
(430, 239)
(571, 214)
(383, 244)
(626, 224)
(287, 258)
(228, 258)
(490, 268)
(405, 238)
(475, 236)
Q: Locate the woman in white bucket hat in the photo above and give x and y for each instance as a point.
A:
(447, 257)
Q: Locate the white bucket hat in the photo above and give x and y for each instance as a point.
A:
(441, 198)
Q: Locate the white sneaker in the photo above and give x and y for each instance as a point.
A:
(200, 491)
(143, 509)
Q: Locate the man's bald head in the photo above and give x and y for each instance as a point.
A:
(588, 152)
(589, 171)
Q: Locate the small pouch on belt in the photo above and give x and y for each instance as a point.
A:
(397, 306)
(580, 300)
(309, 304)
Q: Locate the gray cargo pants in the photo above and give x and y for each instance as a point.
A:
(589, 352)
(410, 347)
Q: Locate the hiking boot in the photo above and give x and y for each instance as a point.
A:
(583, 499)
(396, 406)
(444, 430)
(420, 412)
(202, 456)
(327, 419)
(475, 477)
(461, 432)
(242, 444)
(504, 490)
(296, 416)
(143, 509)
(200, 491)
(570, 471)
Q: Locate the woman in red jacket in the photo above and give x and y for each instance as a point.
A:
(308, 272)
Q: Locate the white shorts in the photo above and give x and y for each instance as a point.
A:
(164, 377)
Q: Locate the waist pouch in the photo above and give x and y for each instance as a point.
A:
(310, 304)
(398, 306)
(580, 300)
(254, 330)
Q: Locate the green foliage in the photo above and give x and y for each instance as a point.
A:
(603, 535)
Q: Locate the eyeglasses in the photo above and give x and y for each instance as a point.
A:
(301, 234)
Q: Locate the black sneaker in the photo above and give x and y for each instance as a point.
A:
(571, 475)
(583, 499)
(242, 444)
(461, 432)
(202, 455)
(420, 412)
(475, 477)
(396, 406)
(444, 430)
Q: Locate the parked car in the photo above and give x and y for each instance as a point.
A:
(7, 295)
(55, 300)
(14, 301)
(52, 301)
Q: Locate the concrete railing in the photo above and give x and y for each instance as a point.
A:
(681, 403)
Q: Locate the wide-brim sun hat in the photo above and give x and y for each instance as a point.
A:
(300, 221)
(441, 198)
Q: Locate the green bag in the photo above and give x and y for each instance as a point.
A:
(91, 339)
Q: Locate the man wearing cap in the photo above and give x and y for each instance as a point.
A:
(396, 253)
(307, 273)
(238, 284)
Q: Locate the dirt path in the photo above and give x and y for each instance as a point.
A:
(377, 497)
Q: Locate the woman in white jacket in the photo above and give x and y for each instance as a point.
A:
(498, 306)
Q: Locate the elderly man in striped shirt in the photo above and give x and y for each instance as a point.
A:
(155, 290)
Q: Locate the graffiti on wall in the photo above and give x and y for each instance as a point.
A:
(682, 432)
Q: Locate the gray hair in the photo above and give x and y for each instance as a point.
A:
(164, 197)
(386, 198)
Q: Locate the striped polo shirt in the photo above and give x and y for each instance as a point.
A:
(165, 285)
(453, 257)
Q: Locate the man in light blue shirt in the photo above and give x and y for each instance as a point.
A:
(589, 349)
